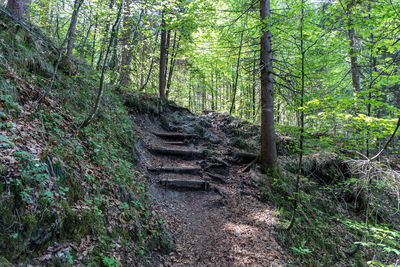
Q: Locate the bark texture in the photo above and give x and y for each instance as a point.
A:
(268, 138)
(163, 58)
(20, 8)
(74, 19)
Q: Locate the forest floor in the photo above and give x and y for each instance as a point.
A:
(213, 215)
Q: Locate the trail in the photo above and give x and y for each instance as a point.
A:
(210, 207)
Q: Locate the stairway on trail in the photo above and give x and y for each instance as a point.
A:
(184, 170)
(209, 205)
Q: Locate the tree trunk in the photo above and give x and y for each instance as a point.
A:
(74, 19)
(163, 50)
(142, 54)
(167, 52)
(268, 138)
(103, 43)
(212, 92)
(151, 65)
(94, 41)
(126, 49)
(253, 102)
(129, 41)
(175, 47)
(237, 74)
(20, 8)
(353, 56)
(103, 70)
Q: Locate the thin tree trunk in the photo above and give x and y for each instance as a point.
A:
(125, 57)
(212, 92)
(372, 60)
(74, 19)
(103, 43)
(237, 73)
(94, 41)
(216, 91)
(20, 8)
(352, 53)
(129, 40)
(53, 77)
(175, 48)
(83, 45)
(167, 54)
(268, 138)
(253, 104)
(141, 83)
(163, 48)
(301, 122)
(190, 92)
(151, 65)
(203, 97)
(103, 71)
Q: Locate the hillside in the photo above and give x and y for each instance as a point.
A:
(151, 183)
(68, 197)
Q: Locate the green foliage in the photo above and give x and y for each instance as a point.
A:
(66, 193)
(110, 262)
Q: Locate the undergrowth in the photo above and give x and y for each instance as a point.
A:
(67, 196)
(344, 221)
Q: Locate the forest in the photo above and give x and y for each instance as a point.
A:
(199, 133)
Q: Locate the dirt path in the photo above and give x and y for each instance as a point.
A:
(204, 199)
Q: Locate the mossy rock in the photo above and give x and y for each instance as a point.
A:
(18, 236)
(76, 225)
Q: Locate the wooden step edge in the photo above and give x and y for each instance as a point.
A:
(185, 184)
(177, 152)
(174, 169)
(175, 135)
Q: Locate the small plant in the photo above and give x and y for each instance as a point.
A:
(301, 251)
(110, 262)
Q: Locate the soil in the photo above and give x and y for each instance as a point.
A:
(224, 224)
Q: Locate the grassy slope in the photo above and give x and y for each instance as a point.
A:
(78, 189)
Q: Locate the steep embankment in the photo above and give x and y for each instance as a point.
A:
(67, 197)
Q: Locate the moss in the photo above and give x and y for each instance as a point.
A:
(5, 263)
(18, 229)
(76, 225)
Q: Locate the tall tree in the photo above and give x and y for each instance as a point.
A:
(175, 48)
(20, 8)
(104, 68)
(71, 34)
(268, 138)
(163, 58)
(355, 77)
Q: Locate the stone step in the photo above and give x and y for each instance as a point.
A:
(174, 169)
(176, 143)
(176, 136)
(199, 185)
(178, 152)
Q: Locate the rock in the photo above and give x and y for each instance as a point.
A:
(255, 177)
(204, 123)
(212, 138)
